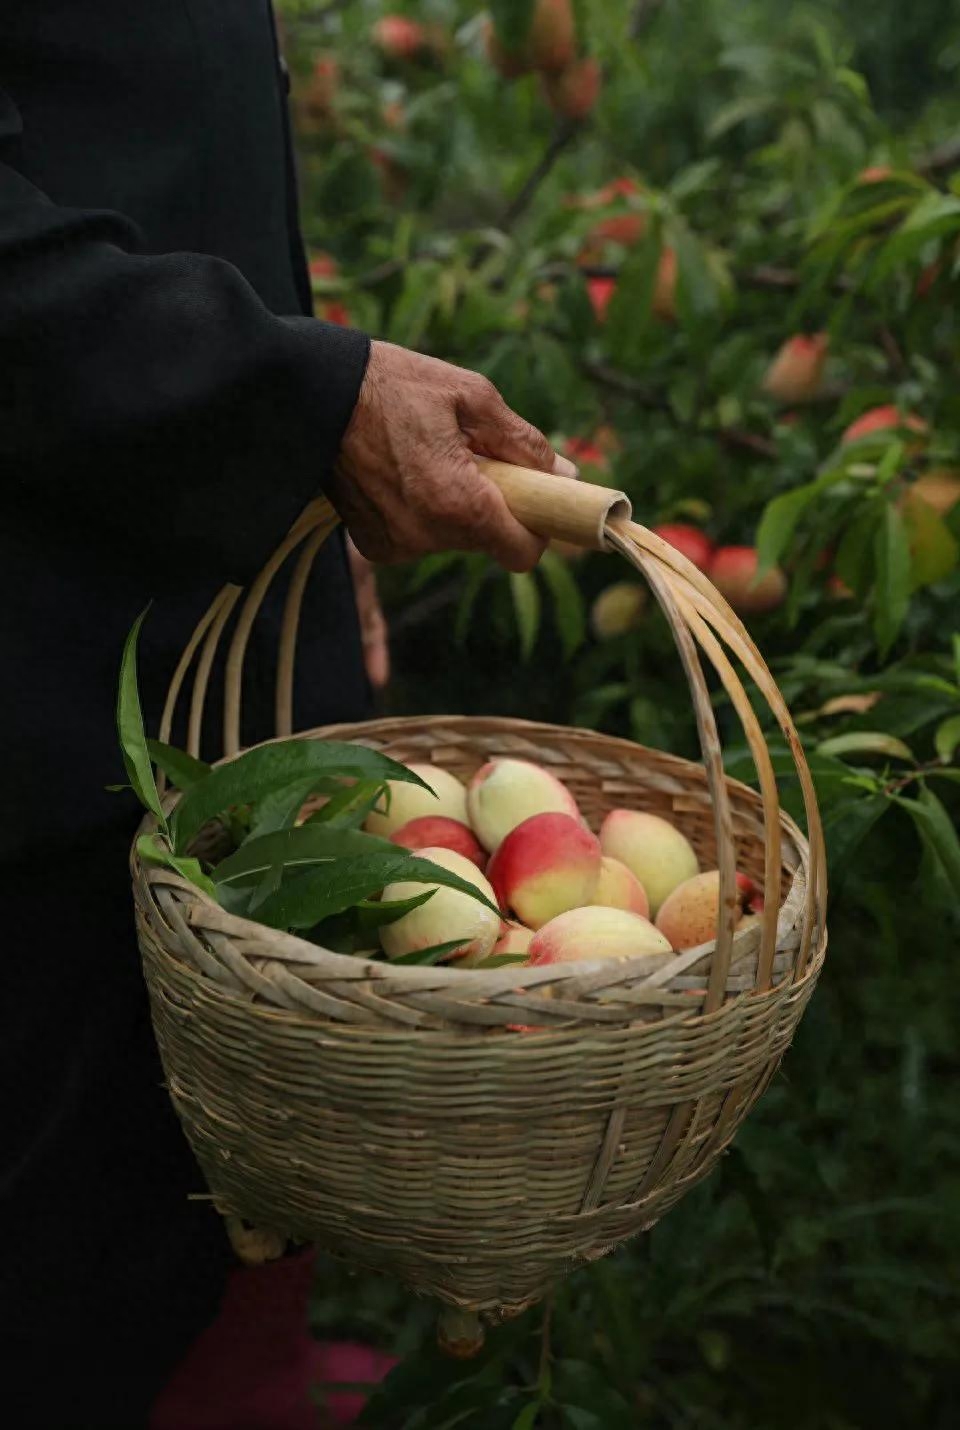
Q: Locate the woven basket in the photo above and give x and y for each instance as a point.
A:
(401, 1117)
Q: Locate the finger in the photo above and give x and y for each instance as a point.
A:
(373, 625)
(376, 650)
(499, 432)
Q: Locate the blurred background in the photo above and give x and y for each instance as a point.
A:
(712, 247)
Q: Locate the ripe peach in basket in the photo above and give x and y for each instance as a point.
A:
(653, 850)
(409, 801)
(547, 864)
(596, 933)
(447, 915)
(618, 888)
(437, 831)
(689, 915)
(505, 792)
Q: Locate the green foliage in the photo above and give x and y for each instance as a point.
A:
(811, 1283)
(284, 874)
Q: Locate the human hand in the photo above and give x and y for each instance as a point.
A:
(406, 483)
(373, 625)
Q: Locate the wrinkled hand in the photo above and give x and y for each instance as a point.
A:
(406, 483)
(373, 625)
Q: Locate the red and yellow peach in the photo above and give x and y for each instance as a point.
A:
(596, 932)
(437, 831)
(546, 865)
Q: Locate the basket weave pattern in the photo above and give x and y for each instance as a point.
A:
(399, 1118)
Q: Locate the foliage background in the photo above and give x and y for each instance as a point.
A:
(811, 1283)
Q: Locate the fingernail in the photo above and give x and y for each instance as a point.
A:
(563, 467)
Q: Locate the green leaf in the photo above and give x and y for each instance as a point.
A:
(182, 770)
(156, 851)
(477, 568)
(325, 871)
(937, 831)
(279, 808)
(528, 1417)
(377, 913)
(934, 549)
(435, 954)
(866, 742)
(567, 601)
(749, 106)
(348, 808)
(947, 738)
(299, 848)
(855, 554)
(526, 606)
(846, 827)
(269, 768)
(133, 739)
(511, 19)
(779, 522)
(630, 312)
(892, 588)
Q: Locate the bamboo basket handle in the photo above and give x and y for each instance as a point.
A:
(558, 508)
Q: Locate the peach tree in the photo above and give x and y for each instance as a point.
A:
(713, 248)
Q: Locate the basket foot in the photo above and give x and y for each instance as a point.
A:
(459, 1333)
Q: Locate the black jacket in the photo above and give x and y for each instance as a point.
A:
(166, 410)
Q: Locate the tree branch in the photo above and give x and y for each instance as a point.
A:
(564, 133)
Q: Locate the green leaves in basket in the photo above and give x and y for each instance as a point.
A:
(429, 956)
(133, 739)
(355, 930)
(349, 807)
(182, 770)
(268, 769)
(153, 849)
(325, 871)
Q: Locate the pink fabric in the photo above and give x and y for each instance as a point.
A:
(254, 1367)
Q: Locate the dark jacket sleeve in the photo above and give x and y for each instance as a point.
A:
(153, 402)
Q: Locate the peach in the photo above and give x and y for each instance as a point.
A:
(408, 801)
(399, 36)
(575, 90)
(690, 541)
(546, 865)
(504, 792)
(514, 938)
(448, 915)
(596, 932)
(436, 831)
(939, 488)
(665, 288)
(874, 174)
(796, 373)
(617, 610)
(733, 570)
(689, 916)
(618, 888)
(653, 850)
(552, 35)
(600, 291)
(883, 419)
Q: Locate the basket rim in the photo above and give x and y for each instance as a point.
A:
(290, 948)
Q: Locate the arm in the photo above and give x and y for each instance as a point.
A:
(155, 400)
